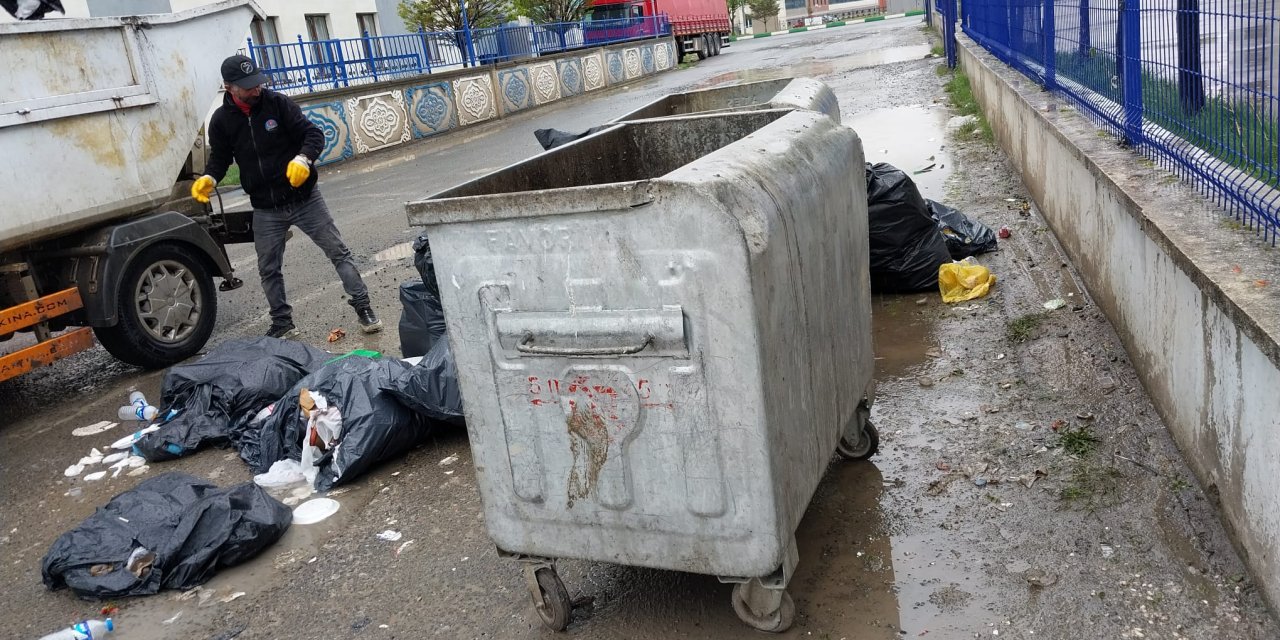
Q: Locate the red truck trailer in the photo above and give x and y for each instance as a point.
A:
(698, 25)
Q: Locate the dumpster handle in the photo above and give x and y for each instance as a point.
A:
(526, 346)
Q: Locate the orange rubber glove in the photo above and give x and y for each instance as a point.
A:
(298, 171)
(202, 188)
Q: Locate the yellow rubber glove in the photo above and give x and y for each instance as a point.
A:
(202, 188)
(298, 171)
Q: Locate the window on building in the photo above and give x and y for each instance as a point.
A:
(264, 34)
(368, 23)
(318, 30)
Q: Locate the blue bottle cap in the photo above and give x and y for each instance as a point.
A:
(111, 626)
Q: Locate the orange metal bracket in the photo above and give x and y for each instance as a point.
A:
(39, 310)
(44, 353)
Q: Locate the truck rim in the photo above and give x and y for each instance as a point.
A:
(167, 301)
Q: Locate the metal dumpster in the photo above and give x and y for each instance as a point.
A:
(786, 93)
(662, 332)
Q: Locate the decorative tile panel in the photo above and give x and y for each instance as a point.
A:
(431, 109)
(570, 77)
(474, 97)
(663, 55)
(378, 121)
(545, 82)
(646, 59)
(331, 117)
(513, 85)
(631, 63)
(613, 61)
(593, 71)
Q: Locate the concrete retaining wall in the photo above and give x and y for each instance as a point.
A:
(363, 119)
(1185, 292)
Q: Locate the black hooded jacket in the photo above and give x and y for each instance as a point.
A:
(262, 144)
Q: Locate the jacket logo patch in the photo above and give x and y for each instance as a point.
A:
(271, 125)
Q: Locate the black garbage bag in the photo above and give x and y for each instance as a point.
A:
(216, 396)
(387, 407)
(964, 236)
(421, 320)
(552, 138)
(435, 380)
(906, 248)
(173, 531)
(31, 9)
(425, 265)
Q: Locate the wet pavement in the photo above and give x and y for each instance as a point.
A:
(1025, 486)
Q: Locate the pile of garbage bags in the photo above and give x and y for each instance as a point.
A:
(912, 237)
(211, 400)
(172, 531)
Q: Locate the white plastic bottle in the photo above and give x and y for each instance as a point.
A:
(143, 412)
(87, 630)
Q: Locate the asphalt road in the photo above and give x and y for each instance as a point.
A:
(936, 536)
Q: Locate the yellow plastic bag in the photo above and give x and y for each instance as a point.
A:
(964, 280)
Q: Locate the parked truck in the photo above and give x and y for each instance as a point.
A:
(96, 123)
(699, 26)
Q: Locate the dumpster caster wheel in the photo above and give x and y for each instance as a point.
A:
(552, 599)
(865, 447)
(775, 622)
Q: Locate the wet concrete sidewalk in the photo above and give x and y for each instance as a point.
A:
(1025, 486)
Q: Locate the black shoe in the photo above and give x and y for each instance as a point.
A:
(282, 331)
(369, 322)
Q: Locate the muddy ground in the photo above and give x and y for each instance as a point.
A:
(1025, 487)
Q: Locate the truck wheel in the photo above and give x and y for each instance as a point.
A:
(704, 47)
(715, 43)
(166, 307)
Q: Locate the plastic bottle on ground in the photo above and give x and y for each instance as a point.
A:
(87, 630)
(143, 412)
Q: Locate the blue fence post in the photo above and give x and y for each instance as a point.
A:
(949, 31)
(470, 52)
(1085, 45)
(1048, 34)
(306, 66)
(368, 54)
(1131, 33)
(249, 44)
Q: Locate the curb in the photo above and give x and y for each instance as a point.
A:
(829, 25)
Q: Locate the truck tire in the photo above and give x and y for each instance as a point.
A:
(166, 308)
(715, 44)
(704, 47)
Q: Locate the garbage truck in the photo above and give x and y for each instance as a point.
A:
(699, 26)
(96, 236)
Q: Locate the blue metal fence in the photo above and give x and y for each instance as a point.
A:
(1194, 84)
(306, 66)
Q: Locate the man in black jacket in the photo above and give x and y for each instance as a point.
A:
(275, 146)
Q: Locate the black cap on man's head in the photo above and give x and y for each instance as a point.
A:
(242, 72)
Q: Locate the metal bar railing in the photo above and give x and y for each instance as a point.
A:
(1194, 84)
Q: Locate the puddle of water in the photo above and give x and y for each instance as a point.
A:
(818, 68)
(909, 138)
(903, 332)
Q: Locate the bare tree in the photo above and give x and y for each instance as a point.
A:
(446, 15)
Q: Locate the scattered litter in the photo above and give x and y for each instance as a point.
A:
(313, 511)
(1084, 415)
(73, 470)
(449, 473)
(313, 559)
(402, 547)
(383, 626)
(449, 460)
(1029, 479)
(1055, 304)
(1000, 356)
(174, 618)
(114, 458)
(934, 352)
(302, 493)
(395, 474)
(94, 429)
(965, 236)
(337, 334)
(282, 473)
(96, 476)
(1107, 550)
(925, 169)
(942, 466)
(291, 501)
(1023, 426)
(230, 597)
(140, 562)
(1005, 233)
(964, 280)
(139, 471)
(127, 441)
(390, 535)
(1010, 199)
(980, 482)
(74, 492)
(925, 381)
